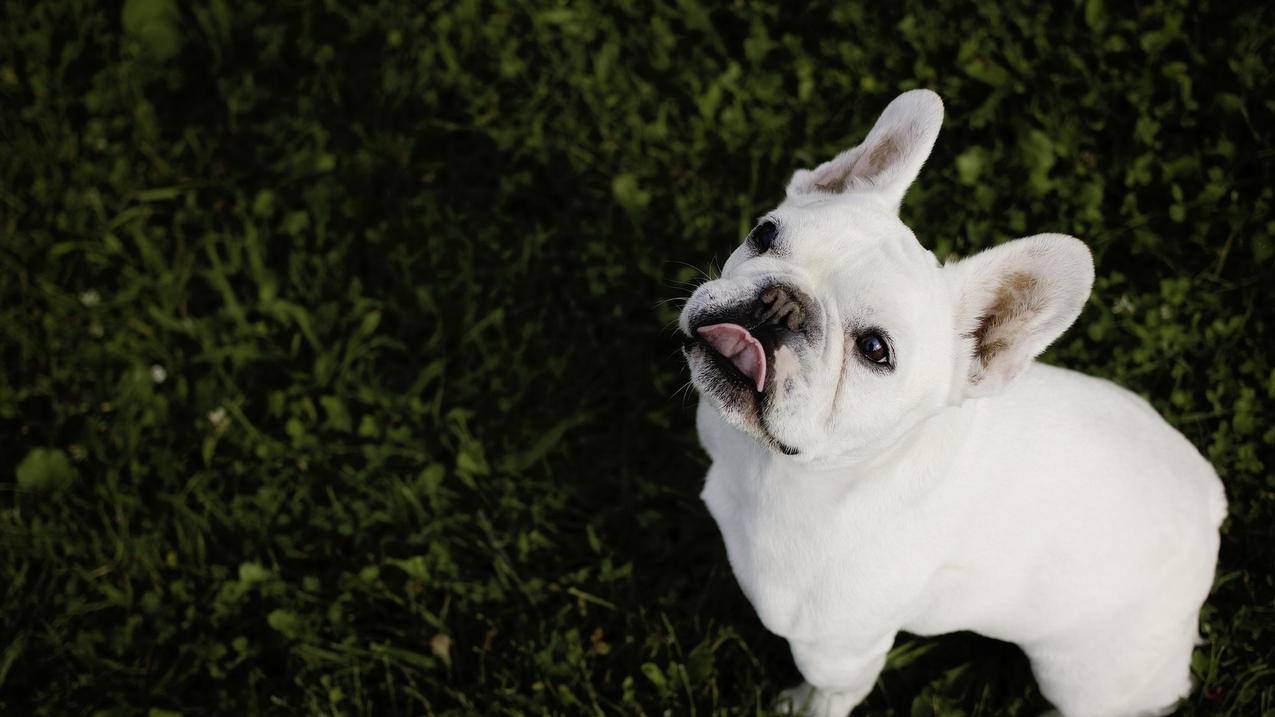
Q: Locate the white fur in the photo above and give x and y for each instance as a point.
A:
(968, 489)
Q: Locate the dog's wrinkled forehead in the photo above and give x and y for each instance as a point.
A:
(824, 234)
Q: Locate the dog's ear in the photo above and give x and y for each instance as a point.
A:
(889, 158)
(1012, 301)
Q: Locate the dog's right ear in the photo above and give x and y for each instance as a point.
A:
(888, 160)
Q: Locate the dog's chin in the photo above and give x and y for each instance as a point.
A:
(733, 394)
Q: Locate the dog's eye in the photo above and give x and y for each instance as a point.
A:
(763, 236)
(873, 348)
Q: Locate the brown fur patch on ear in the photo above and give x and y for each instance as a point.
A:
(836, 185)
(1016, 301)
(882, 155)
(867, 166)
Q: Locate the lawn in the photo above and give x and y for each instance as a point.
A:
(339, 374)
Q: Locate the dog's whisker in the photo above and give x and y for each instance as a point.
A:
(684, 390)
(672, 325)
(695, 269)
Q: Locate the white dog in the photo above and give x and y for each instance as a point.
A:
(888, 456)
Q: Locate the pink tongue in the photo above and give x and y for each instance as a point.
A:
(735, 343)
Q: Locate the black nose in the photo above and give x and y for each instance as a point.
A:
(780, 306)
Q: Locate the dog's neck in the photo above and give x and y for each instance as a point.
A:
(918, 454)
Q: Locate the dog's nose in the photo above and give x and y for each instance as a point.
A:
(778, 305)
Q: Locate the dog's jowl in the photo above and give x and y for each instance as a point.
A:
(887, 455)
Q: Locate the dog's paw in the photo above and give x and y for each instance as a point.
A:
(793, 700)
(809, 701)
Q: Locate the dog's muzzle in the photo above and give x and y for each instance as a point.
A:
(742, 337)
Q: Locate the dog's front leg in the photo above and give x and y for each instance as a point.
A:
(838, 676)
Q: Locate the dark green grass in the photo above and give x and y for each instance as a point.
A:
(419, 446)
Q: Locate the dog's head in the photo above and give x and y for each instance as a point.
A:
(832, 331)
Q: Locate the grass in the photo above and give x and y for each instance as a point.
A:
(337, 376)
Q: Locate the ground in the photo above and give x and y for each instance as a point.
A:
(339, 373)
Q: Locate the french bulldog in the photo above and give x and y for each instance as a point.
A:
(887, 455)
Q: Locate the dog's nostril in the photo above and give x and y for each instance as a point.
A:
(796, 318)
(777, 306)
(775, 295)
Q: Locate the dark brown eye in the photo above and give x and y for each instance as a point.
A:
(873, 348)
(763, 236)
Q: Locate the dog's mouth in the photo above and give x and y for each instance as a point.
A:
(740, 341)
(744, 352)
(731, 351)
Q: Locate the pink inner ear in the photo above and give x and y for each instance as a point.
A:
(1018, 301)
(743, 350)
(834, 175)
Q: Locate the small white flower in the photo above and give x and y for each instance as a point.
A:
(1123, 306)
(217, 417)
(158, 374)
(90, 298)
(1166, 313)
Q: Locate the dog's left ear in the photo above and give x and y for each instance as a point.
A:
(888, 160)
(1013, 301)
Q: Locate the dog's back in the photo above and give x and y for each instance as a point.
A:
(1097, 522)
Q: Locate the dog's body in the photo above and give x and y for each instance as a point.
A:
(886, 455)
